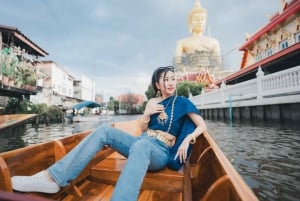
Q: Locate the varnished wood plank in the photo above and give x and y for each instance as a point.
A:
(116, 155)
(166, 196)
(70, 142)
(92, 191)
(208, 171)
(145, 195)
(59, 150)
(109, 170)
(133, 127)
(218, 188)
(5, 182)
(115, 166)
(7, 121)
(187, 185)
(40, 157)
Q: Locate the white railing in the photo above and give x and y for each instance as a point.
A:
(277, 88)
(281, 83)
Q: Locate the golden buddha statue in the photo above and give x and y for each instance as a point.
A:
(197, 53)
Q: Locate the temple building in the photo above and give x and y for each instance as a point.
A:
(275, 47)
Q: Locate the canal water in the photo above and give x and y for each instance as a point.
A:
(267, 156)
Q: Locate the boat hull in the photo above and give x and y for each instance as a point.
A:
(207, 175)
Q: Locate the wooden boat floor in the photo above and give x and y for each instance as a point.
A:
(102, 192)
(100, 186)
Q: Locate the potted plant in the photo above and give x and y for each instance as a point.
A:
(9, 65)
(29, 78)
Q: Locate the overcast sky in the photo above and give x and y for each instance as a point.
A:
(120, 43)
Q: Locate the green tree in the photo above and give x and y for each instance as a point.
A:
(19, 106)
(55, 114)
(150, 92)
(187, 88)
(111, 103)
(40, 108)
(183, 89)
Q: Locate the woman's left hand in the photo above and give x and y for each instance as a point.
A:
(183, 149)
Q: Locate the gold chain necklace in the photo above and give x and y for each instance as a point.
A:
(172, 114)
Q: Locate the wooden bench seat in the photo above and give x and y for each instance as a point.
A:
(109, 170)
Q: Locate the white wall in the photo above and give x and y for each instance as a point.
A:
(87, 88)
(62, 83)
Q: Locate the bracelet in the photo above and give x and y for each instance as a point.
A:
(193, 140)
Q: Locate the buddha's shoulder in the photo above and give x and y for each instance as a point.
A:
(207, 38)
(202, 38)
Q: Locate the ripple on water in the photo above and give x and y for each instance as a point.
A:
(267, 157)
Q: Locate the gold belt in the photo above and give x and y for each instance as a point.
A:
(160, 137)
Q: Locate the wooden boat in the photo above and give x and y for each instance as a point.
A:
(93, 118)
(12, 120)
(207, 175)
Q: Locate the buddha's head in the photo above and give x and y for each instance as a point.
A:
(197, 18)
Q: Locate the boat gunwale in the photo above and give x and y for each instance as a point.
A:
(238, 185)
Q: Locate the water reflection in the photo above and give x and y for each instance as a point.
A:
(267, 156)
(12, 138)
(28, 135)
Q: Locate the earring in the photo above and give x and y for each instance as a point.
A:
(158, 93)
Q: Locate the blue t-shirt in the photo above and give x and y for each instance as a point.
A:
(182, 106)
(181, 125)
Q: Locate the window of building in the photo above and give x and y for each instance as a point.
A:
(269, 52)
(297, 37)
(284, 44)
(64, 90)
(259, 57)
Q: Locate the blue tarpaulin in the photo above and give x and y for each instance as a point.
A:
(83, 104)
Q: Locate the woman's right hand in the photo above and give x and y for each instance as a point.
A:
(153, 107)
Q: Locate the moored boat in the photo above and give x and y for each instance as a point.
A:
(92, 118)
(207, 175)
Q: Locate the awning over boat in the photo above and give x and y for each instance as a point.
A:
(83, 104)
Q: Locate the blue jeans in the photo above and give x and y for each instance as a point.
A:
(143, 153)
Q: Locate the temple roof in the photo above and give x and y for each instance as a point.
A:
(290, 9)
(280, 60)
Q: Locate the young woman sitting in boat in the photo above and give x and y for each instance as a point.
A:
(170, 123)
